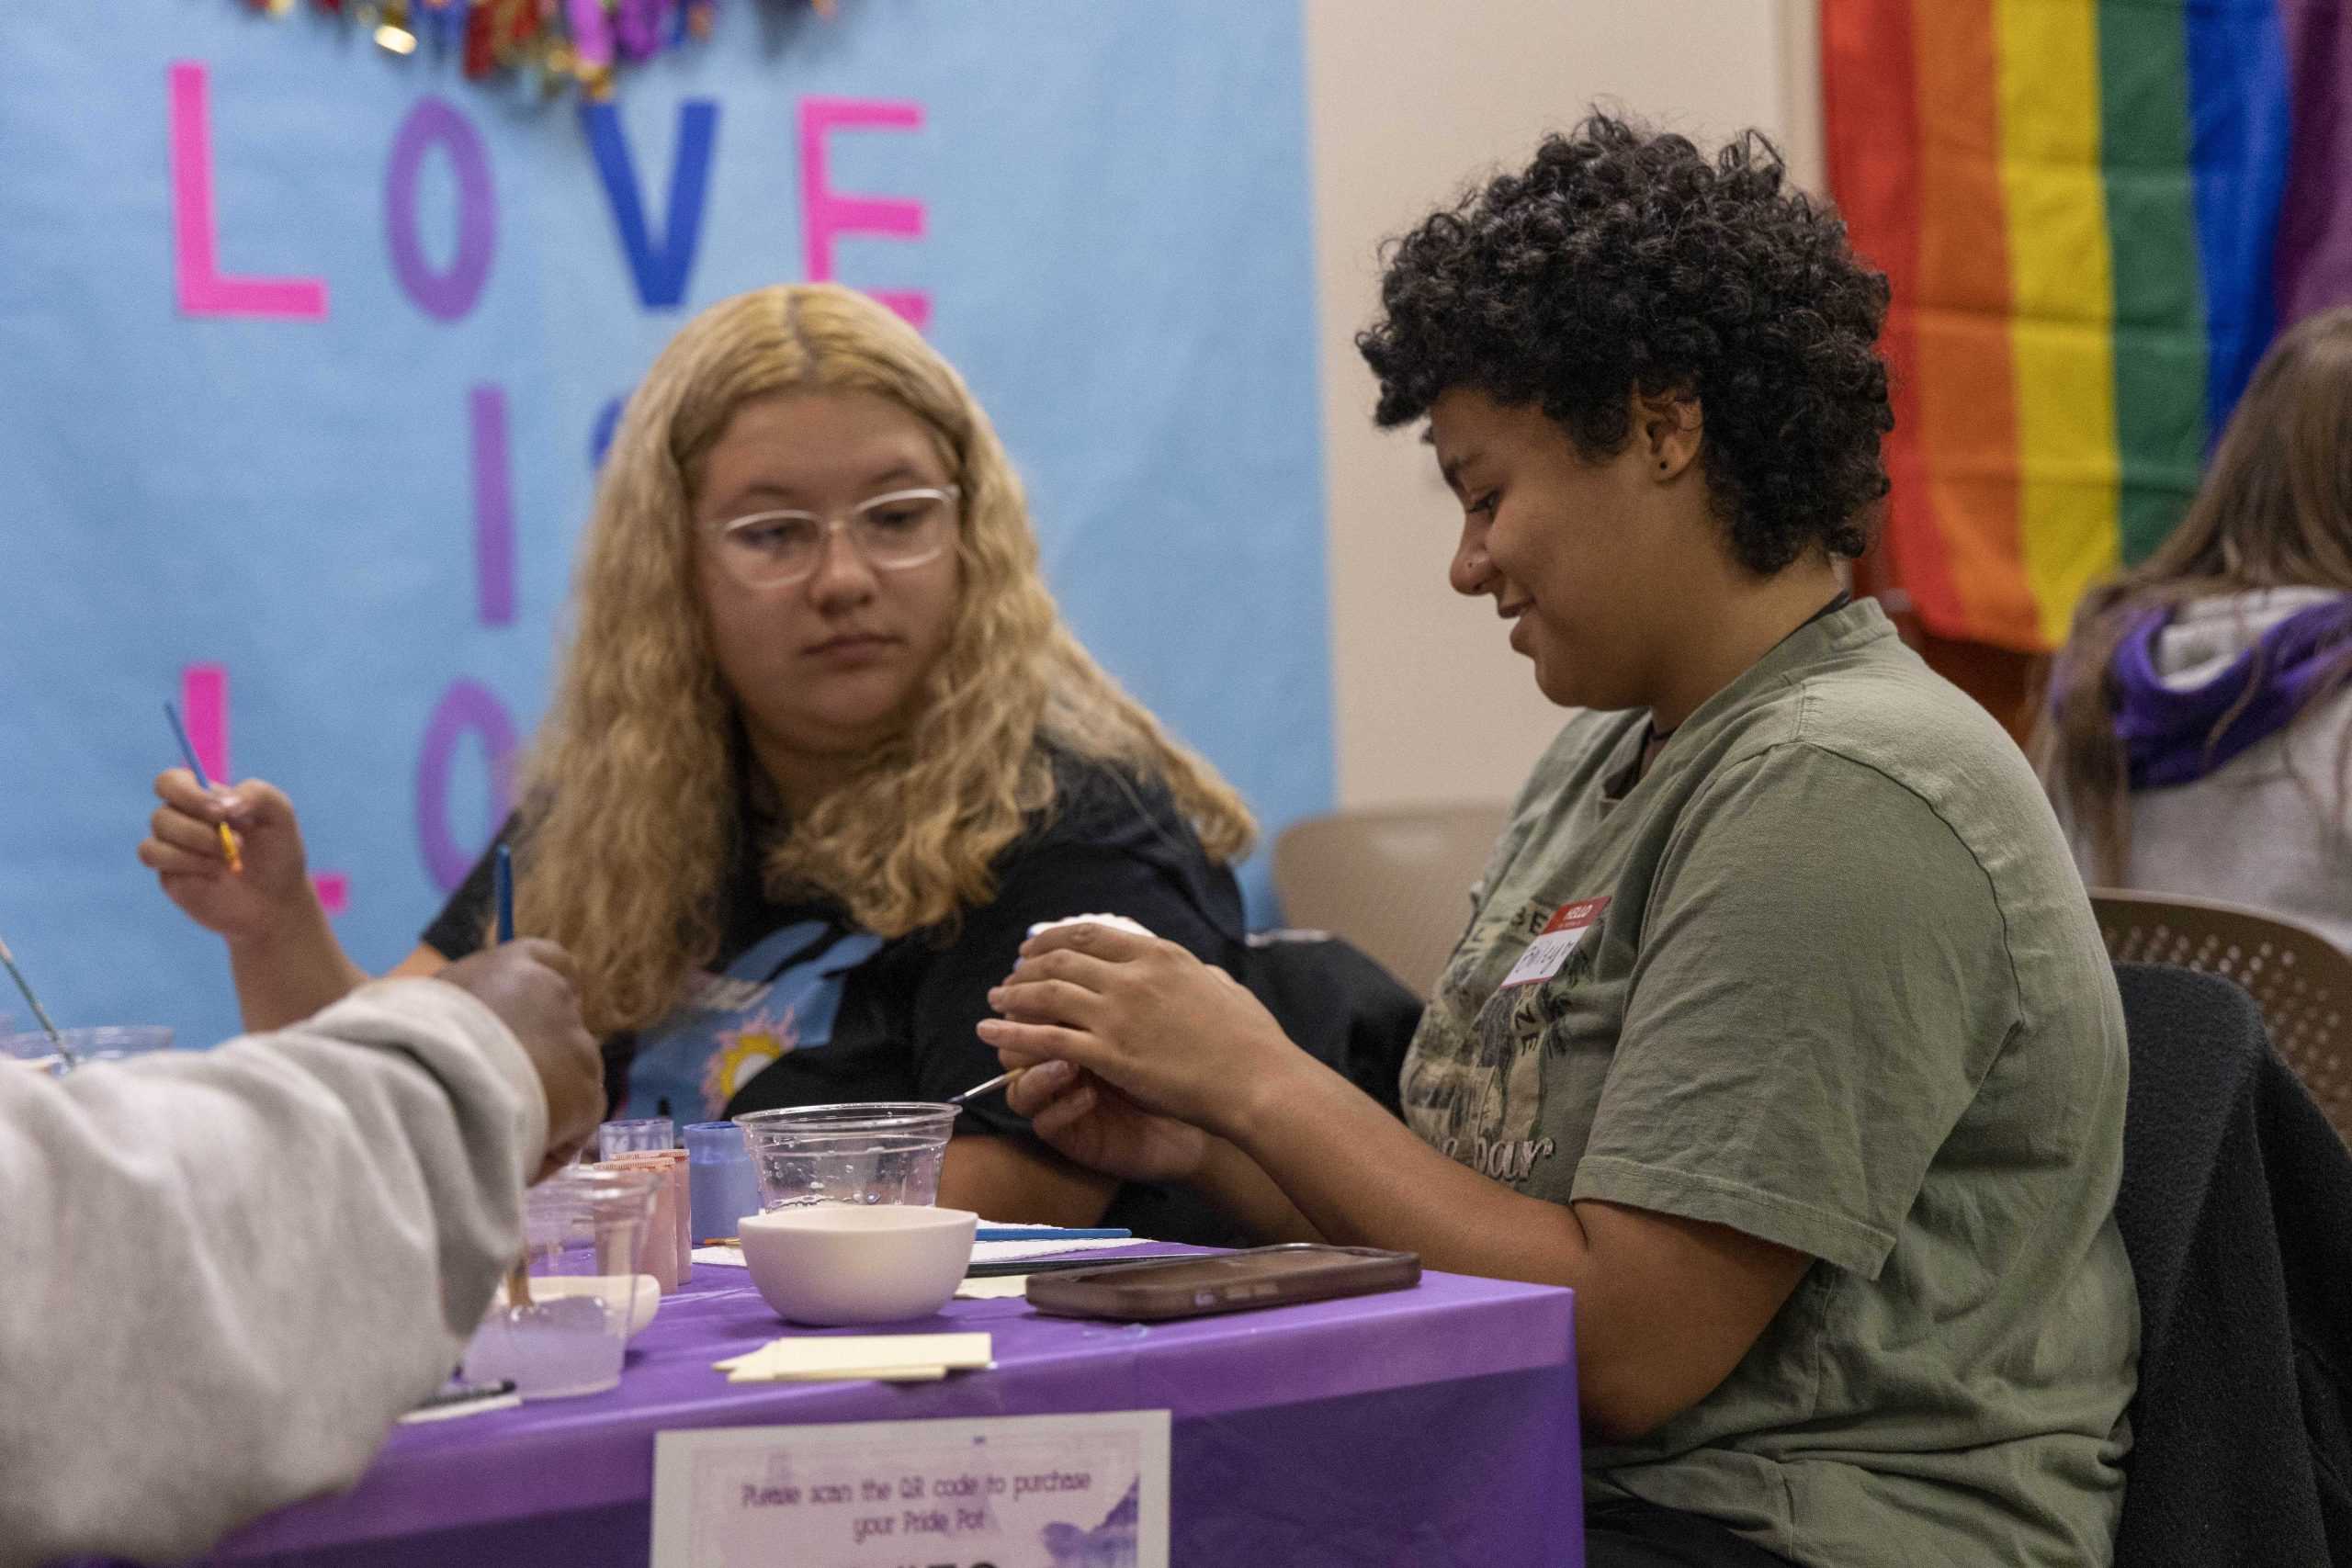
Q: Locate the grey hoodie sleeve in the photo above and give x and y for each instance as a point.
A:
(226, 1273)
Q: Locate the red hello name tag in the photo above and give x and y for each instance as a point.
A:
(1558, 937)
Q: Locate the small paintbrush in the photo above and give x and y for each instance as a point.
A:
(195, 766)
(518, 1278)
(33, 1001)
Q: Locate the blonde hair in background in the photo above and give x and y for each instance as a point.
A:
(630, 794)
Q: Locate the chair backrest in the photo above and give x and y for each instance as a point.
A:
(2301, 982)
(2235, 1209)
(1394, 881)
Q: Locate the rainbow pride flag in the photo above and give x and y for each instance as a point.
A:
(2095, 214)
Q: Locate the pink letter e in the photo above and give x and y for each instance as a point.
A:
(826, 214)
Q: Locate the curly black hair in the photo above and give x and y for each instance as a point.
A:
(1623, 260)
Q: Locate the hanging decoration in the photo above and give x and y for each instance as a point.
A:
(563, 43)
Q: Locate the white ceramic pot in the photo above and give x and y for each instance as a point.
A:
(839, 1263)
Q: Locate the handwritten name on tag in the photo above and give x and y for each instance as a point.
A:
(1550, 950)
(1009, 1492)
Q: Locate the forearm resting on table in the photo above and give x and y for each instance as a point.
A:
(1241, 1186)
(1015, 1181)
(1665, 1307)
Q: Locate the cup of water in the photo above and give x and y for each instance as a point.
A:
(584, 1236)
(110, 1043)
(884, 1153)
(646, 1135)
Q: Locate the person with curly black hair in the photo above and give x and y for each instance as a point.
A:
(1782, 1032)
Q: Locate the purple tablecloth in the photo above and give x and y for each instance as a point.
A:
(1422, 1427)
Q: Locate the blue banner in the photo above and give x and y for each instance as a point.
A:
(309, 349)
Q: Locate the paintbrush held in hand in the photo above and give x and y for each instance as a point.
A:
(188, 750)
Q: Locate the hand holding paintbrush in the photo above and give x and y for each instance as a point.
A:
(1007, 1079)
(271, 897)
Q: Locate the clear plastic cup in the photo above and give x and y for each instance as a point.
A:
(671, 1216)
(584, 1236)
(888, 1153)
(111, 1043)
(649, 1135)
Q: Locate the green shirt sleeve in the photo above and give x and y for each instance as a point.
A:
(1823, 980)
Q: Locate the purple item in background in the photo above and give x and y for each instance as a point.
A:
(2311, 263)
(1434, 1424)
(447, 294)
(2168, 732)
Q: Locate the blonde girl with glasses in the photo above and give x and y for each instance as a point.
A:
(821, 752)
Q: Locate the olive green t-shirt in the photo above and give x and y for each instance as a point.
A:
(1847, 995)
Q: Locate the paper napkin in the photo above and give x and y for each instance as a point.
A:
(888, 1358)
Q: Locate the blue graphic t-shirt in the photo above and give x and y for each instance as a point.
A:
(781, 996)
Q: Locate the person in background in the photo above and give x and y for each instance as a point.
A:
(820, 752)
(2197, 737)
(228, 1272)
(1781, 1033)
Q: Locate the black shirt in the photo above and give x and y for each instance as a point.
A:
(805, 1009)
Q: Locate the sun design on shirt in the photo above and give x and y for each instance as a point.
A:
(743, 1053)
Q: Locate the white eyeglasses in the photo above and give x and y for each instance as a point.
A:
(905, 528)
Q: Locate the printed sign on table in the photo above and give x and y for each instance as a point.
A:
(1014, 1492)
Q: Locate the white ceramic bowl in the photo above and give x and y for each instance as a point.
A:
(836, 1263)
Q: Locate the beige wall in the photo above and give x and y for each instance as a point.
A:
(1408, 99)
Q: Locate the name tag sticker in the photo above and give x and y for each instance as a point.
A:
(1558, 937)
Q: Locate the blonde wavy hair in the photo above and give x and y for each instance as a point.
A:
(632, 792)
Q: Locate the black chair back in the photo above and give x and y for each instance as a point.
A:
(1340, 1005)
(2236, 1211)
